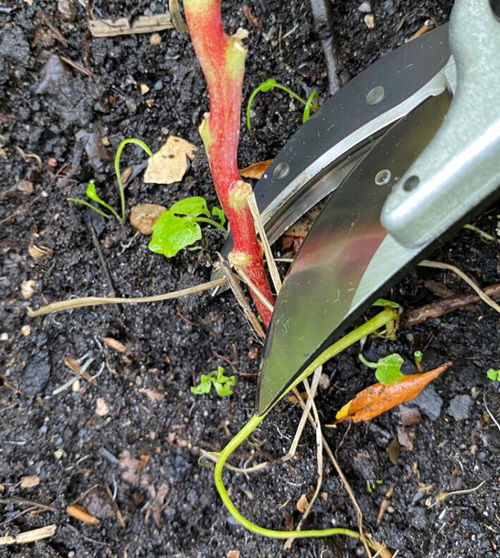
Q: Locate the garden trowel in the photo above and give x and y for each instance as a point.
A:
(407, 150)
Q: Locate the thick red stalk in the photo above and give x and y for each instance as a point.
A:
(222, 59)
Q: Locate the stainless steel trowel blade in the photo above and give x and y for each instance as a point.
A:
(347, 259)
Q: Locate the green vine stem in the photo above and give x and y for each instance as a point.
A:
(382, 319)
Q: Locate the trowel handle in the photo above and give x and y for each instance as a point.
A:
(461, 165)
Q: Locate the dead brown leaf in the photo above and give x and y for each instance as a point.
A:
(409, 416)
(255, 170)
(169, 164)
(153, 395)
(158, 504)
(30, 481)
(378, 398)
(233, 554)
(114, 344)
(405, 438)
(302, 504)
(132, 467)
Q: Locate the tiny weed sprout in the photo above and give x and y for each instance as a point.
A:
(418, 356)
(311, 103)
(222, 384)
(179, 226)
(91, 191)
(493, 375)
(387, 369)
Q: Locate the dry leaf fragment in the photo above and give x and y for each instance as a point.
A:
(30, 481)
(158, 504)
(38, 252)
(302, 504)
(131, 467)
(81, 514)
(25, 186)
(255, 170)
(122, 26)
(233, 554)
(28, 288)
(153, 395)
(169, 164)
(72, 364)
(114, 344)
(101, 408)
(143, 88)
(145, 215)
(378, 398)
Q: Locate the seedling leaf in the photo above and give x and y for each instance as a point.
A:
(171, 234)
(386, 303)
(194, 207)
(387, 369)
(222, 384)
(493, 375)
(219, 213)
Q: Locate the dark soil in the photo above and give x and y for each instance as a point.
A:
(173, 509)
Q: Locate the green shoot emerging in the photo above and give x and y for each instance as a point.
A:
(91, 191)
(386, 303)
(312, 102)
(493, 375)
(178, 227)
(387, 369)
(222, 384)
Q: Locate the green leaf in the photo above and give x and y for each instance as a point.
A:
(493, 375)
(386, 303)
(193, 207)
(92, 194)
(171, 234)
(219, 213)
(203, 387)
(389, 369)
(224, 388)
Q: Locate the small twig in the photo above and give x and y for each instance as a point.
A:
(259, 225)
(319, 454)
(489, 412)
(240, 297)
(482, 233)
(298, 434)
(99, 301)
(16, 500)
(466, 278)
(78, 67)
(445, 306)
(29, 536)
(445, 495)
(57, 34)
(345, 482)
(213, 456)
(253, 288)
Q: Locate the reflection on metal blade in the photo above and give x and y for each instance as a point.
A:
(344, 263)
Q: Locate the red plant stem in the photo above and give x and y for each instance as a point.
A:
(222, 59)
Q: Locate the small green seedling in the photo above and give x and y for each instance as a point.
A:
(418, 356)
(311, 103)
(91, 191)
(493, 375)
(391, 327)
(222, 384)
(179, 226)
(387, 369)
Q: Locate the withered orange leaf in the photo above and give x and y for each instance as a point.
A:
(378, 398)
(256, 170)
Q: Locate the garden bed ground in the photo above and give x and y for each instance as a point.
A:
(171, 508)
